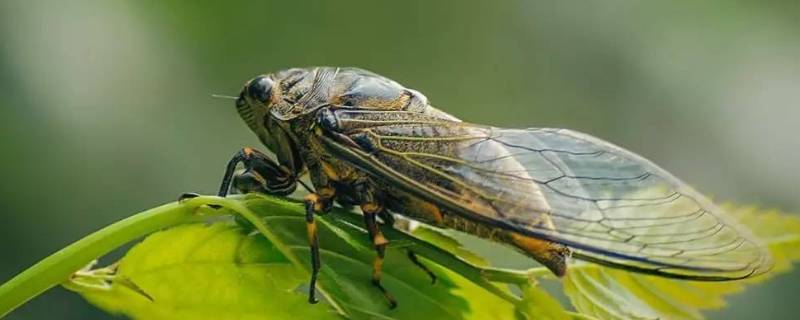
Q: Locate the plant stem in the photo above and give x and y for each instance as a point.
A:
(58, 267)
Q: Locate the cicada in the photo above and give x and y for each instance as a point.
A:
(365, 140)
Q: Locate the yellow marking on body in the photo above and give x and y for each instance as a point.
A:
(377, 266)
(407, 138)
(315, 200)
(326, 192)
(431, 210)
(311, 228)
(370, 208)
(329, 171)
(531, 245)
(312, 197)
(552, 255)
(379, 240)
(389, 122)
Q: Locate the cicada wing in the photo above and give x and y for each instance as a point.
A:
(608, 204)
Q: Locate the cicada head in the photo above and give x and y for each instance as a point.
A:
(273, 94)
(280, 94)
(254, 100)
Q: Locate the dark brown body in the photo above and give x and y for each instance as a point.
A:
(366, 140)
(291, 124)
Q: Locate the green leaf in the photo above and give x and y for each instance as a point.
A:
(614, 294)
(546, 307)
(446, 242)
(780, 232)
(206, 272)
(222, 270)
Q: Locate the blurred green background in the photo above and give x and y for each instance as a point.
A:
(105, 106)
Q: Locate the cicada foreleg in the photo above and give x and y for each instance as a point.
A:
(261, 174)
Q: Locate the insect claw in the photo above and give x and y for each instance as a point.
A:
(187, 195)
(386, 295)
(191, 195)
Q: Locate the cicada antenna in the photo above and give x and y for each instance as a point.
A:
(222, 96)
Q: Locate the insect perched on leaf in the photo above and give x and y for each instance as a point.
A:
(551, 193)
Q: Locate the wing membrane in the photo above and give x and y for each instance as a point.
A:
(608, 204)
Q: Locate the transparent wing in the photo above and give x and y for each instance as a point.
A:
(608, 204)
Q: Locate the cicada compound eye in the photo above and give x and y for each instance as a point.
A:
(260, 89)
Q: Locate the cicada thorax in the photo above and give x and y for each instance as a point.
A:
(303, 91)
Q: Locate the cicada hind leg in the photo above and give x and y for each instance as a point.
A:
(371, 207)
